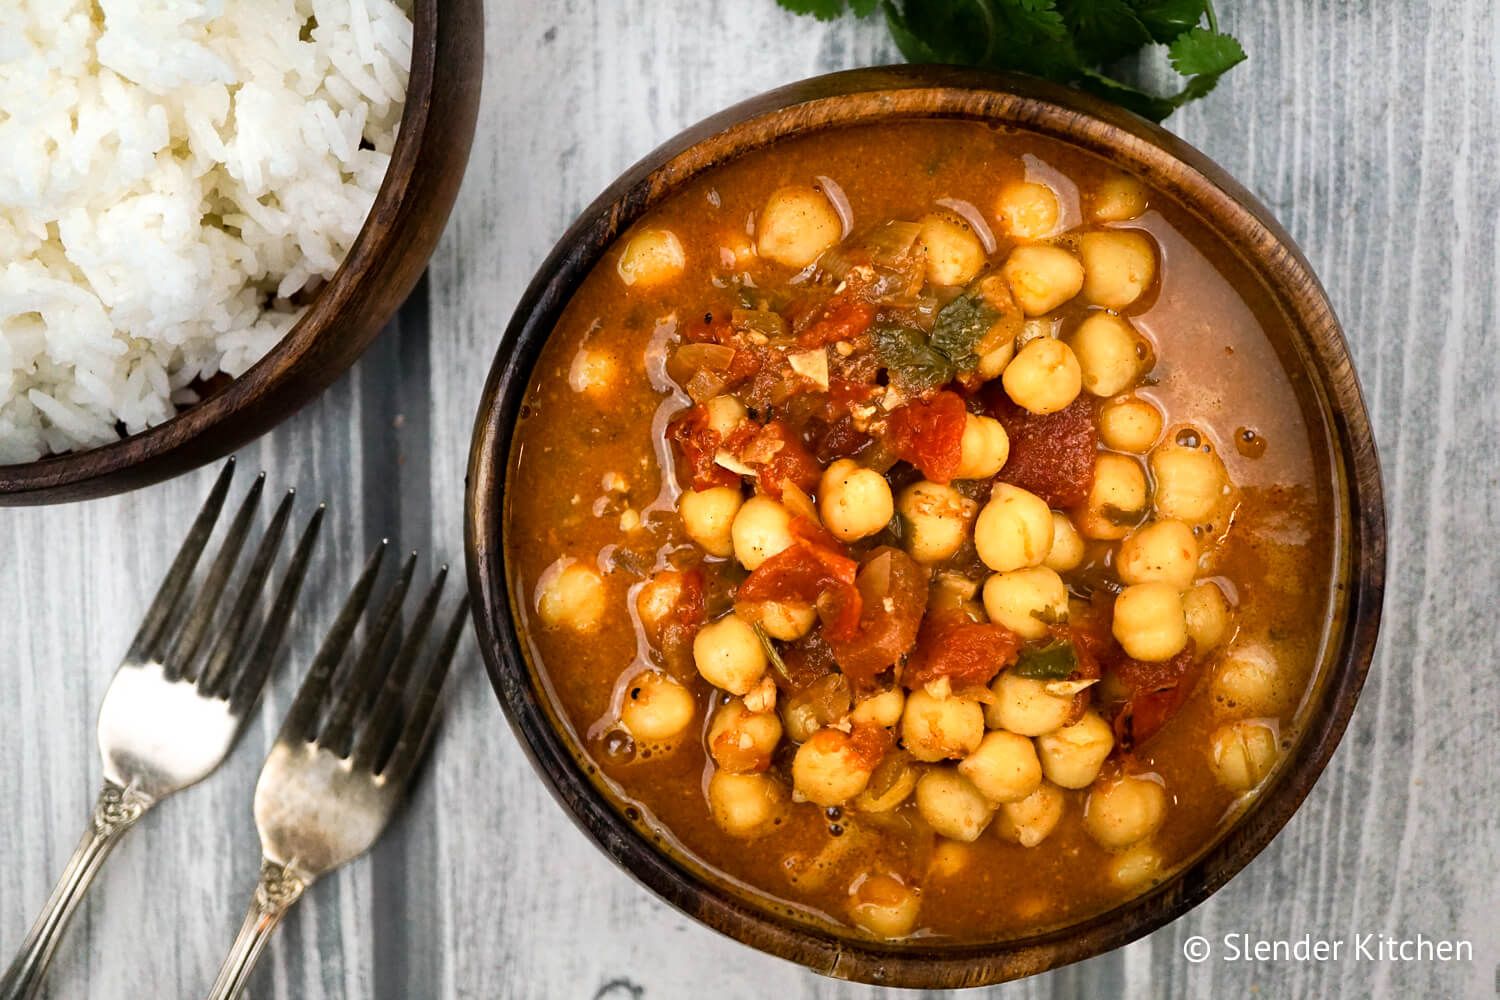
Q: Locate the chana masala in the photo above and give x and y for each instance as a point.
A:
(916, 526)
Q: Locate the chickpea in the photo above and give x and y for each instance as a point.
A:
(571, 594)
(1014, 530)
(1110, 353)
(1026, 600)
(1248, 681)
(954, 254)
(725, 413)
(1163, 551)
(1190, 482)
(658, 599)
(1042, 277)
(936, 518)
(1149, 621)
(1207, 615)
(941, 728)
(1116, 499)
(729, 655)
(592, 372)
(1117, 199)
(1044, 377)
(1071, 756)
(652, 257)
(984, 448)
(761, 529)
(1004, 768)
(1130, 424)
(742, 741)
(1124, 810)
(1027, 211)
(707, 516)
(828, 770)
(883, 709)
(884, 907)
(656, 708)
(796, 225)
(1242, 754)
(1118, 265)
(992, 362)
(952, 806)
(1067, 549)
(1137, 866)
(744, 805)
(855, 502)
(1023, 705)
(784, 620)
(1029, 821)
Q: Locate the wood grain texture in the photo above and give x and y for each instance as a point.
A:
(1371, 129)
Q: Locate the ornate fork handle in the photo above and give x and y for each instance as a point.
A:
(278, 889)
(117, 810)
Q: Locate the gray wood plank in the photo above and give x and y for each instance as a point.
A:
(1372, 130)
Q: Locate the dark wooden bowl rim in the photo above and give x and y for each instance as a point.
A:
(1169, 164)
(380, 270)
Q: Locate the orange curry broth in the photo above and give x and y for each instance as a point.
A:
(1215, 369)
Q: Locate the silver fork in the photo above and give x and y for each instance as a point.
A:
(344, 757)
(176, 705)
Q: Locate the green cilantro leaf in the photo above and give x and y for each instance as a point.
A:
(959, 327)
(909, 360)
(1071, 41)
(829, 10)
(1166, 19)
(1104, 30)
(1055, 661)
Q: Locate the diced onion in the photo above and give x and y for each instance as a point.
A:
(974, 218)
(839, 201)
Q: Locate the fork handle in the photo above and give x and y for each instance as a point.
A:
(278, 889)
(116, 811)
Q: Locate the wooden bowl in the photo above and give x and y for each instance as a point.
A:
(1170, 165)
(427, 164)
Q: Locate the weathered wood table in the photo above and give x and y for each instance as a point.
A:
(1371, 129)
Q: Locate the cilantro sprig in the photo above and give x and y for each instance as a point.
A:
(1071, 41)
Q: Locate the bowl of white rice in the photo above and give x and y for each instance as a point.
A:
(208, 209)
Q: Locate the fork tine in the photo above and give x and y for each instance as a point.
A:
(213, 679)
(178, 661)
(302, 719)
(181, 570)
(419, 721)
(257, 666)
(384, 721)
(364, 673)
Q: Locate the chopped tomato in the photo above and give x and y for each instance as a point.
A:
(680, 628)
(929, 434)
(1154, 693)
(893, 597)
(812, 574)
(1051, 455)
(843, 318)
(698, 443)
(782, 457)
(870, 744)
(968, 653)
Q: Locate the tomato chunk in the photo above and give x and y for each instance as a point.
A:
(790, 460)
(843, 318)
(1051, 455)
(929, 434)
(698, 443)
(1154, 693)
(812, 574)
(893, 598)
(968, 653)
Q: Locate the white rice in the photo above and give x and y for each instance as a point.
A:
(172, 172)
